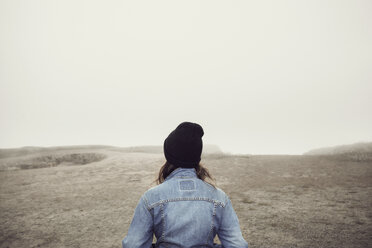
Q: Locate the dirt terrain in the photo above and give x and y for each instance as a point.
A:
(85, 197)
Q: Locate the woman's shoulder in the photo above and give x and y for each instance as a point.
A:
(156, 191)
(166, 190)
(222, 195)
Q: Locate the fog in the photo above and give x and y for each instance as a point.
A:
(262, 77)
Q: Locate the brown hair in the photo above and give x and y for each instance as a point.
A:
(201, 172)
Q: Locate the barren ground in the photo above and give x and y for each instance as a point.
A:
(88, 200)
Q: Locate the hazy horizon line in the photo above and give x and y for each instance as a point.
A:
(157, 145)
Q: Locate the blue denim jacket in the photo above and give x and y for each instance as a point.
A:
(184, 211)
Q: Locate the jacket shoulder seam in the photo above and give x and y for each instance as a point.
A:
(146, 203)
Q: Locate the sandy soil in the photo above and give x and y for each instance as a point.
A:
(281, 201)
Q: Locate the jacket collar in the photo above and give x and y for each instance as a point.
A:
(182, 172)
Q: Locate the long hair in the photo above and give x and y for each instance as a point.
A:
(201, 172)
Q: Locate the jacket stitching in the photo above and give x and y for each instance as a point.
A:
(186, 199)
(212, 226)
(146, 203)
(163, 222)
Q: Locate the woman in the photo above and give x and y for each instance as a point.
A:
(184, 210)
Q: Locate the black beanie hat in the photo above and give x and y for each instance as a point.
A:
(184, 145)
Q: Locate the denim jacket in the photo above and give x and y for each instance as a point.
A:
(184, 211)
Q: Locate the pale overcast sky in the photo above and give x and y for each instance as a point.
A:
(261, 77)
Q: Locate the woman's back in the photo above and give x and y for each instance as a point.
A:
(185, 211)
